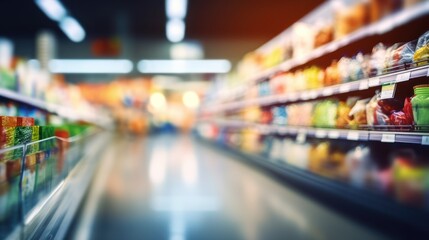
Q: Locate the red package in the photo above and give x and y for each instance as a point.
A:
(400, 118)
(25, 121)
(6, 121)
(408, 110)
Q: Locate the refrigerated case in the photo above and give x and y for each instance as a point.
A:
(336, 104)
(43, 184)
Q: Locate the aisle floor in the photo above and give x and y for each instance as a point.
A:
(174, 187)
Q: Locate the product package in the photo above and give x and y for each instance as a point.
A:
(422, 50)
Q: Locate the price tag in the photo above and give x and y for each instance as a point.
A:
(304, 96)
(384, 26)
(363, 85)
(331, 47)
(293, 97)
(373, 82)
(328, 91)
(320, 133)
(301, 137)
(388, 91)
(282, 130)
(334, 134)
(344, 88)
(387, 137)
(313, 94)
(403, 77)
(425, 140)
(300, 60)
(354, 136)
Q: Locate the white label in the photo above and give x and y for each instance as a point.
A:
(331, 47)
(282, 130)
(300, 138)
(344, 88)
(313, 94)
(305, 96)
(293, 97)
(425, 140)
(388, 91)
(282, 99)
(354, 136)
(384, 26)
(387, 137)
(334, 134)
(320, 133)
(403, 77)
(363, 85)
(373, 82)
(328, 91)
(427, 74)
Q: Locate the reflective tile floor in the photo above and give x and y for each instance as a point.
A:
(174, 187)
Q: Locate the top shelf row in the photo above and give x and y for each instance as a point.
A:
(382, 26)
(56, 109)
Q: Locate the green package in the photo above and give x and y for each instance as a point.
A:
(35, 137)
(22, 136)
(7, 140)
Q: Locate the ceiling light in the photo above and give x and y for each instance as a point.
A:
(175, 30)
(52, 8)
(176, 8)
(90, 66)
(72, 29)
(184, 66)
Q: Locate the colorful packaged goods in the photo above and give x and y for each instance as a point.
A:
(332, 74)
(325, 113)
(411, 178)
(377, 59)
(401, 55)
(420, 104)
(358, 114)
(422, 50)
(343, 115)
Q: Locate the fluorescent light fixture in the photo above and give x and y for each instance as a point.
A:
(176, 8)
(52, 8)
(90, 66)
(72, 28)
(184, 66)
(186, 50)
(175, 30)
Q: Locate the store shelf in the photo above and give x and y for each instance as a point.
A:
(301, 133)
(357, 201)
(396, 77)
(59, 110)
(15, 234)
(53, 214)
(383, 26)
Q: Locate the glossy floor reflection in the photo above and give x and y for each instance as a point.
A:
(174, 187)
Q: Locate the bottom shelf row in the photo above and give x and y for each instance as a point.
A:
(398, 172)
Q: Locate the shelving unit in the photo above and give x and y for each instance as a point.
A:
(363, 84)
(382, 26)
(420, 138)
(336, 193)
(225, 121)
(54, 108)
(53, 213)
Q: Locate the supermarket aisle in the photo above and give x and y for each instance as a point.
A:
(174, 187)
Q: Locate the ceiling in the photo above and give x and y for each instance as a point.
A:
(206, 19)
